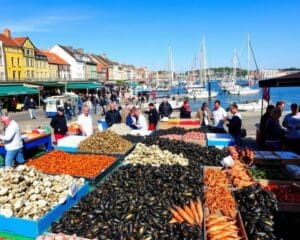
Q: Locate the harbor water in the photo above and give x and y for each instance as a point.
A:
(288, 94)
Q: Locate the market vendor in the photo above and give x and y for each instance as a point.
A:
(85, 122)
(112, 116)
(141, 121)
(59, 124)
(131, 119)
(12, 141)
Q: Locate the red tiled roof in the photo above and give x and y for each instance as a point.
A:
(39, 52)
(54, 59)
(20, 40)
(8, 41)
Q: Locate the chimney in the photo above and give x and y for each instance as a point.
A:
(6, 32)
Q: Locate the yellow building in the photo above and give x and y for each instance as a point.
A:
(13, 55)
(41, 66)
(28, 56)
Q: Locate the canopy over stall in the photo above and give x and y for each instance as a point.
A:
(16, 89)
(290, 80)
(83, 85)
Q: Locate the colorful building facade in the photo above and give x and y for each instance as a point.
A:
(28, 57)
(13, 56)
(2, 63)
(41, 66)
(59, 69)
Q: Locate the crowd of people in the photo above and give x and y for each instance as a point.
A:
(275, 135)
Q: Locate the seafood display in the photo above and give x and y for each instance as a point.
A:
(286, 193)
(257, 207)
(120, 129)
(190, 213)
(220, 227)
(215, 177)
(246, 155)
(206, 156)
(268, 172)
(80, 165)
(59, 236)
(134, 138)
(191, 136)
(106, 142)
(239, 175)
(154, 156)
(220, 199)
(134, 203)
(28, 193)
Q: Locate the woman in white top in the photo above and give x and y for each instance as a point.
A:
(85, 122)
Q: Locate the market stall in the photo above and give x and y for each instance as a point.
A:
(33, 140)
(168, 186)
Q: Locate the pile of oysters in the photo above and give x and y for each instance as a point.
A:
(28, 193)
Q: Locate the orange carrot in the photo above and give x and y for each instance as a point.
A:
(176, 215)
(194, 212)
(184, 215)
(199, 211)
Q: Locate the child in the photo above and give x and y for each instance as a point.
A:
(153, 117)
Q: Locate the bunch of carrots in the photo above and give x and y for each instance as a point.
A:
(80, 165)
(219, 227)
(191, 213)
(239, 175)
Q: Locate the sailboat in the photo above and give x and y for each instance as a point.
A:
(198, 91)
(232, 87)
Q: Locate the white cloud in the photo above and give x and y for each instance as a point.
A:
(41, 23)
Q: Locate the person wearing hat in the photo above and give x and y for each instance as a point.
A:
(12, 141)
(204, 115)
(59, 124)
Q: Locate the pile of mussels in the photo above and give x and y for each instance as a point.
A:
(207, 156)
(134, 202)
(257, 207)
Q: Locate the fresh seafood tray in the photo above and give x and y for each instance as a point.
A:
(257, 207)
(46, 197)
(287, 194)
(215, 177)
(91, 167)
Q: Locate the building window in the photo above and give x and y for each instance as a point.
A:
(14, 75)
(32, 74)
(19, 74)
(12, 61)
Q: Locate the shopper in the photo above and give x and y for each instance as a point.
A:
(31, 108)
(12, 141)
(141, 121)
(274, 132)
(185, 110)
(85, 122)
(59, 124)
(292, 124)
(153, 116)
(14, 103)
(235, 124)
(1, 107)
(219, 116)
(281, 105)
(204, 115)
(79, 104)
(131, 119)
(262, 125)
(68, 109)
(113, 115)
(165, 109)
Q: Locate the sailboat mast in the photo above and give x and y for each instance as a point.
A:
(248, 67)
(204, 61)
(234, 72)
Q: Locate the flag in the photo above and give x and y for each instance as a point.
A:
(266, 93)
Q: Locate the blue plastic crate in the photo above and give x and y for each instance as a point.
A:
(31, 228)
(67, 149)
(219, 139)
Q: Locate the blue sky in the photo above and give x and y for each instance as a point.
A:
(139, 31)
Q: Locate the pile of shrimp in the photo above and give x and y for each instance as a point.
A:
(215, 177)
(239, 175)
